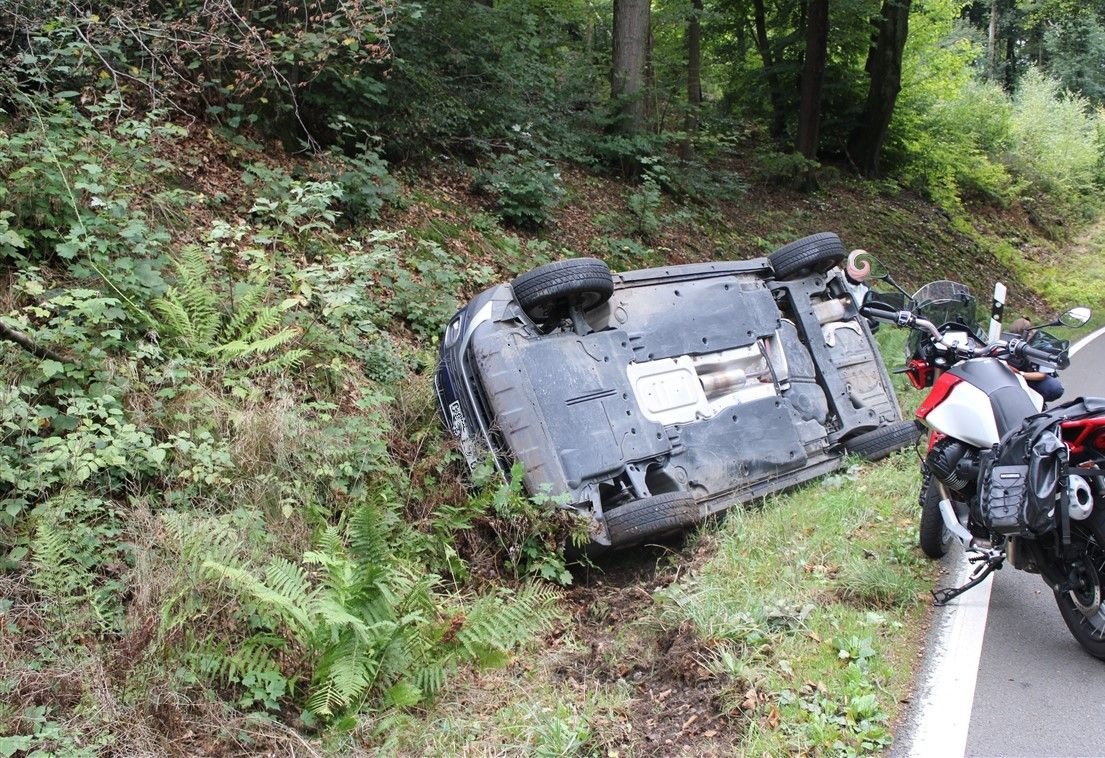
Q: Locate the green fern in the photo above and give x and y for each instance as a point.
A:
(249, 335)
(373, 628)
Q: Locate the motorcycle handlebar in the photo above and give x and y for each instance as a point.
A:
(1060, 359)
(883, 312)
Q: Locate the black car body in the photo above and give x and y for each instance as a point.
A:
(674, 393)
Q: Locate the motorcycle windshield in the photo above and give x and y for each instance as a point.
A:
(945, 302)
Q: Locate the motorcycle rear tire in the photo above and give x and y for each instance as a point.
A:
(934, 537)
(1087, 627)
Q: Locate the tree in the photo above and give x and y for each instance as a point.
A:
(813, 77)
(884, 67)
(774, 85)
(630, 58)
(694, 74)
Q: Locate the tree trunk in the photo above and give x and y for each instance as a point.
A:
(992, 41)
(774, 87)
(884, 66)
(1011, 58)
(813, 77)
(627, 76)
(694, 75)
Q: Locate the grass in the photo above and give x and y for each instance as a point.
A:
(810, 600)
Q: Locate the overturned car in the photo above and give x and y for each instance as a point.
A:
(650, 399)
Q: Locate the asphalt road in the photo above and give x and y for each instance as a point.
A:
(1036, 693)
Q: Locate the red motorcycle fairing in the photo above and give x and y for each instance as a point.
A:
(940, 391)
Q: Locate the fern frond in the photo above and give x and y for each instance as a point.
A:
(245, 311)
(368, 535)
(288, 579)
(263, 323)
(203, 539)
(403, 694)
(289, 361)
(175, 321)
(240, 348)
(495, 624)
(344, 675)
(54, 575)
(196, 294)
(297, 617)
(254, 656)
(430, 679)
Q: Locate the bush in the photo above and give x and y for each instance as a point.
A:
(525, 188)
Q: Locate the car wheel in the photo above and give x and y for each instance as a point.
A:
(879, 443)
(816, 253)
(551, 289)
(933, 535)
(651, 517)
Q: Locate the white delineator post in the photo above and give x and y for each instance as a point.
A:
(997, 308)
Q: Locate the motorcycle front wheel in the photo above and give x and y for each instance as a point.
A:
(1082, 608)
(933, 536)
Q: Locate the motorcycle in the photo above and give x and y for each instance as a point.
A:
(1011, 480)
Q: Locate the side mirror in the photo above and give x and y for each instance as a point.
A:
(1076, 316)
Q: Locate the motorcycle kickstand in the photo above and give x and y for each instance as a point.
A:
(993, 562)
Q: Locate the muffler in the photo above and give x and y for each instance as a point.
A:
(1079, 497)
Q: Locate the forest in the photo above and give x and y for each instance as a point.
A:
(231, 233)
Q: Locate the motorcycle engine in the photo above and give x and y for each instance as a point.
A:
(953, 463)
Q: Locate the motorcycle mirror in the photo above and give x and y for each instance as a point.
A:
(1076, 316)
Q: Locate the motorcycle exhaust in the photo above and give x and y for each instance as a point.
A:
(1079, 497)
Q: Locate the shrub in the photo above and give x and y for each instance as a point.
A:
(525, 188)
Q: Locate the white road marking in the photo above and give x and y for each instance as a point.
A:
(947, 691)
(1085, 341)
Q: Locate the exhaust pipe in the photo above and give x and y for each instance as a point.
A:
(1079, 497)
(951, 521)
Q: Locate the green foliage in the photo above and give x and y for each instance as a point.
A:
(368, 625)
(525, 188)
(366, 186)
(958, 137)
(644, 205)
(79, 561)
(1075, 45)
(89, 193)
(532, 530)
(470, 75)
(226, 57)
(782, 168)
(251, 336)
(1055, 141)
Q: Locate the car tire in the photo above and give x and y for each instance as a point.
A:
(879, 443)
(933, 536)
(815, 253)
(651, 517)
(548, 290)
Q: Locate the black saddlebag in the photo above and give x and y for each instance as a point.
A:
(1020, 479)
